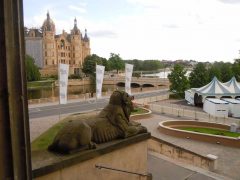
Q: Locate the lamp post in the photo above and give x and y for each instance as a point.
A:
(83, 86)
(52, 92)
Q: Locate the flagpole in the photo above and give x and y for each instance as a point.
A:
(96, 87)
(59, 112)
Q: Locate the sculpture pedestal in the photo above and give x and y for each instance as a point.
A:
(128, 154)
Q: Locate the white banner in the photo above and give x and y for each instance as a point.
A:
(99, 80)
(63, 82)
(128, 77)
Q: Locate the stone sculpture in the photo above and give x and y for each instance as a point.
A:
(110, 124)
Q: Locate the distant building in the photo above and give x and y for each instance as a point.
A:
(49, 49)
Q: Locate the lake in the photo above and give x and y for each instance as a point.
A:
(47, 92)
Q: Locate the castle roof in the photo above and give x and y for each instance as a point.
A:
(48, 24)
(75, 30)
(86, 38)
(33, 32)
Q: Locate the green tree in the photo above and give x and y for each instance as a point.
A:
(106, 64)
(32, 71)
(137, 64)
(151, 65)
(89, 65)
(212, 72)
(89, 68)
(199, 76)
(225, 69)
(115, 62)
(178, 80)
(236, 69)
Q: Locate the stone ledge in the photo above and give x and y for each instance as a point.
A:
(181, 154)
(45, 162)
(136, 117)
(177, 147)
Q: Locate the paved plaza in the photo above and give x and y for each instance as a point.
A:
(228, 158)
(228, 164)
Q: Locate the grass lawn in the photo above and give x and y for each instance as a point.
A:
(44, 140)
(38, 84)
(211, 131)
(138, 110)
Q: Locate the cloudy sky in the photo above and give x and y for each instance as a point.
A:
(202, 30)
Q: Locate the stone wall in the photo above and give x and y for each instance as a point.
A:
(131, 157)
(170, 128)
(180, 154)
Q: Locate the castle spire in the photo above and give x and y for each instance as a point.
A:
(75, 22)
(75, 29)
(86, 36)
(48, 24)
(48, 16)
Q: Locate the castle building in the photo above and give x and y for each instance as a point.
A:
(49, 49)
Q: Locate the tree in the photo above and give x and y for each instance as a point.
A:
(146, 65)
(32, 71)
(178, 80)
(106, 64)
(226, 71)
(199, 76)
(212, 72)
(236, 69)
(89, 65)
(151, 65)
(115, 62)
(223, 71)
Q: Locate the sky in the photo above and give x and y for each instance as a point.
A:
(202, 30)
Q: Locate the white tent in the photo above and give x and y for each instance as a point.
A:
(215, 87)
(234, 107)
(233, 86)
(216, 107)
(189, 96)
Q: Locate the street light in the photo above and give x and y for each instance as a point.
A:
(84, 94)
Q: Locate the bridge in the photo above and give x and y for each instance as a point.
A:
(120, 81)
(137, 82)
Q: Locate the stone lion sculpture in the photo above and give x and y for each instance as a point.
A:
(111, 123)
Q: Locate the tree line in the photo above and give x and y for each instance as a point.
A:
(201, 75)
(114, 62)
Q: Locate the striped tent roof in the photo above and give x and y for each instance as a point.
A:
(233, 85)
(215, 87)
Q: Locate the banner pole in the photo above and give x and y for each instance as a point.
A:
(59, 112)
(96, 89)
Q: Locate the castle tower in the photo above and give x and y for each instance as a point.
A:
(86, 46)
(76, 45)
(49, 46)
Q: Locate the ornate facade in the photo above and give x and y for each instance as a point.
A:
(49, 49)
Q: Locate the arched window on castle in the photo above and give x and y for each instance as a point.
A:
(62, 43)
